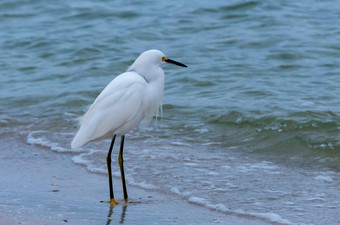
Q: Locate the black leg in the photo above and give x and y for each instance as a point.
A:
(121, 165)
(108, 162)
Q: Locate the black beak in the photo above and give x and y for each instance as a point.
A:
(174, 62)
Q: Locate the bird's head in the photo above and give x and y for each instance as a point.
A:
(150, 61)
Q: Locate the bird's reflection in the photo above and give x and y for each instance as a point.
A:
(110, 214)
(109, 218)
(122, 216)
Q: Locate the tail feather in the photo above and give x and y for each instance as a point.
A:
(79, 140)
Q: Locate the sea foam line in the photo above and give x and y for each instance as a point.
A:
(34, 140)
(271, 217)
(79, 159)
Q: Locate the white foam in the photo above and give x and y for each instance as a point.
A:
(307, 103)
(244, 169)
(266, 165)
(143, 185)
(202, 130)
(180, 193)
(96, 170)
(213, 173)
(34, 140)
(211, 143)
(199, 201)
(239, 120)
(177, 143)
(191, 164)
(324, 178)
(79, 159)
(272, 217)
(316, 199)
(116, 173)
(248, 139)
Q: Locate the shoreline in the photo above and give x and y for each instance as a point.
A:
(42, 187)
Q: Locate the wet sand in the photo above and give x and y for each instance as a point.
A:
(42, 187)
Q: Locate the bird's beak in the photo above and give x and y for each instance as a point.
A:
(165, 59)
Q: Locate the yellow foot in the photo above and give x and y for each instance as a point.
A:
(112, 202)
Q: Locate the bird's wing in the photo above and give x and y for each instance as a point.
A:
(119, 103)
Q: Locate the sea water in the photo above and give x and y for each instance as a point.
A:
(250, 128)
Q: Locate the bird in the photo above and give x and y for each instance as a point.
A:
(130, 98)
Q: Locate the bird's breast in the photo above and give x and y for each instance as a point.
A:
(153, 98)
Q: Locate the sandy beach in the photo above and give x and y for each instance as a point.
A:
(41, 187)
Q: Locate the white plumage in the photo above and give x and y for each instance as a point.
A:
(131, 97)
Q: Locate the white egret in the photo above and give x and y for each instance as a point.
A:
(129, 98)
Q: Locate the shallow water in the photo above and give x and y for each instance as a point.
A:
(250, 127)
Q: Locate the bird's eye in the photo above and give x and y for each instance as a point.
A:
(164, 58)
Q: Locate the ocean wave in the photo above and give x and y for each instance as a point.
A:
(310, 135)
(289, 121)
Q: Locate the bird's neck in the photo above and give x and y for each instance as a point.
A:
(150, 74)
